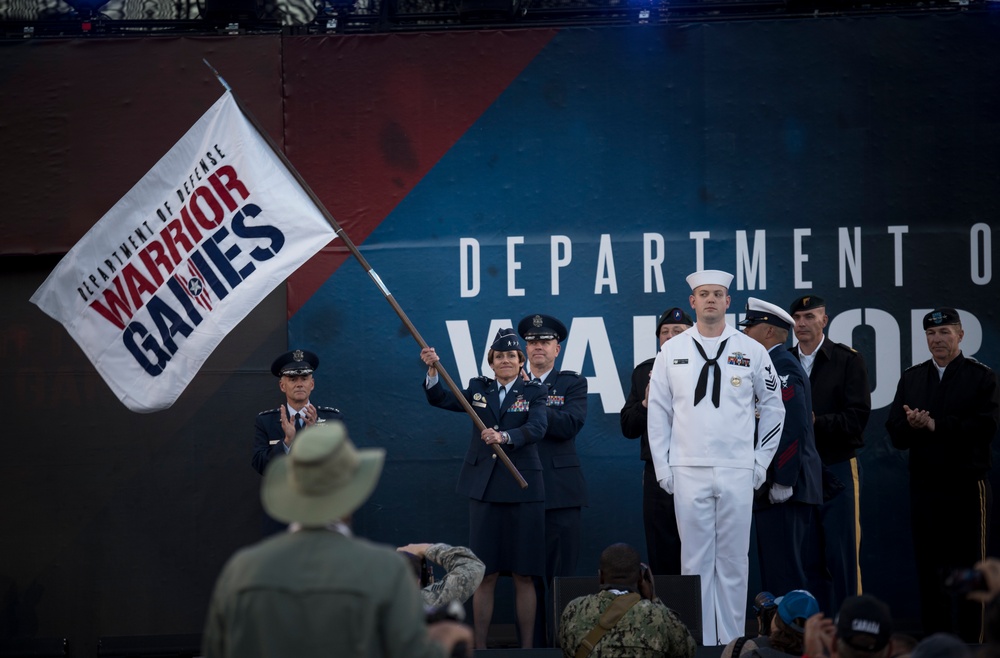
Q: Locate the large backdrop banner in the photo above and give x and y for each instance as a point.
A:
(805, 157)
(486, 176)
(160, 280)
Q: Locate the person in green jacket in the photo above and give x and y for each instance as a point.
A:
(317, 590)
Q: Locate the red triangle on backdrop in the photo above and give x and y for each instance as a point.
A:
(366, 117)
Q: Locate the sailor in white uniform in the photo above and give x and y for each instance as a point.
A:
(708, 387)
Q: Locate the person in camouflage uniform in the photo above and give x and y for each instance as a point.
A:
(648, 629)
(463, 572)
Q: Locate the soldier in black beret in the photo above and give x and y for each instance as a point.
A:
(946, 413)
(943, 316)
(841, 404)
(275, 429)
(663, 542)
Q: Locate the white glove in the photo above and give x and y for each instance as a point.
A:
(667, 483)
(779, 493)
(759, 475)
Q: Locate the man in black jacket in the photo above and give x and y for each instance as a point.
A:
(565, 487)
(566, 406)
(946, 414)
(663, 543)
(842, 402)
(275, 429)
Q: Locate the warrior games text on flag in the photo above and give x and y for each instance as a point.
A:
(193, 247)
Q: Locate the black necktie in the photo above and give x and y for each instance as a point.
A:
(300, 421)
(699, 391)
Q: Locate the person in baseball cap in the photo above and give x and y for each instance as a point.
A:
(864, 623)
(795, 607)
(787, 633)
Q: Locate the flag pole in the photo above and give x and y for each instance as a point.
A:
(371, 273)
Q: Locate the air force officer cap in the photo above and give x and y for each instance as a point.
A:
(296, 362)
(541, 327)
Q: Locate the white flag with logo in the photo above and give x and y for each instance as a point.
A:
(160, 280)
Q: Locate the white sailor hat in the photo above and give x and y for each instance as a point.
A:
(709, 277)
(759, 311)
